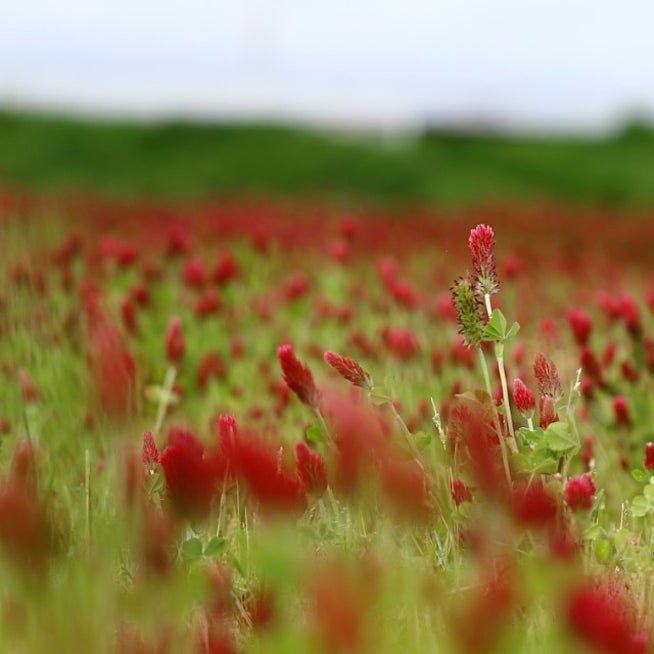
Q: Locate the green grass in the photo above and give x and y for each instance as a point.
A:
(178, 160)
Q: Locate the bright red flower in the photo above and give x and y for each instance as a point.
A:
(192, 477)
(349, 369)
(579, 492)
(649, 456)
(580, 324)
(603, 618)
(532, 505)
(260, 467)
(482, 247)
(297, 376)
(524, 399)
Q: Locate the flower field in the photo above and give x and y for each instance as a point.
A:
(293, 426)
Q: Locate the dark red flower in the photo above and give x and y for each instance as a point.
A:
(193, 272)
(621, 411)
(174, 341)
(207, 304)
(649, 456)
(128, 316)
(547, 412)
(25, 531)
(28, 390)
(149, 451)
(459, 492)
(590, 365)
(547, 377)
(210, 365)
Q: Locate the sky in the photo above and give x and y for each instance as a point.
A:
(522, 64)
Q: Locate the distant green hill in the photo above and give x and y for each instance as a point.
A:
(182, 160)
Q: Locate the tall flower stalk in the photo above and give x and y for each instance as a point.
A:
(471, 327)
(482, 247)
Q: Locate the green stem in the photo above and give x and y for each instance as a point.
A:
(87, 499)
(499, 356)
(498, 427)
(169, 381)
(505, 394)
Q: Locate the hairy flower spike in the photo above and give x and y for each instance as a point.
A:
(149, 451)
(524, 399)
(547, 412)
(349, 369)
(468, 311)
(297, 376)
(482, 247)
(310, 469)
(547, 377)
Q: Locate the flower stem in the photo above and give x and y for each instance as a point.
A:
(498, 427)
(499, 356)
(169, 382)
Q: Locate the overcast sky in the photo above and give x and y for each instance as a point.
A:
(557, 64)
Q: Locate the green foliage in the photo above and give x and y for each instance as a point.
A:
(496, 328)
(182, 160)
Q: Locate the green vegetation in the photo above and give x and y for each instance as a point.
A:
(183, 160)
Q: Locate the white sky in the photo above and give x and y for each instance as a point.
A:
(557, 64)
